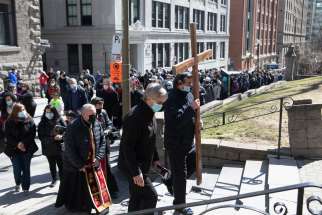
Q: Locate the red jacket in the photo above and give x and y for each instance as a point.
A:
(43, 79)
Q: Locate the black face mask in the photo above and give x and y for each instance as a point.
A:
(92, 119)
(98, 111)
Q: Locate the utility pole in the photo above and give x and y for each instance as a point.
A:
(126, 102)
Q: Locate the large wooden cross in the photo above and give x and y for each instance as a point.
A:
(183, 66)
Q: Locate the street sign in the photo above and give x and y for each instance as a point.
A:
(116, 72)
(117, 44)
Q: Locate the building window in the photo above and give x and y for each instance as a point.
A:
(7, 24)
(223, 24)
(213, 46)
(160, 15)
(87, 57)
(41, 13)
(134, 11)
(224, 2)
(222, 50)
(86, 12)
(73, 62)
(182, 17)
(199, 18)
(212, 21)
(181, 52)
(200, 47)
(71, 10)
(160, 55)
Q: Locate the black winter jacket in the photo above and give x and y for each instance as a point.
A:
(18, 131)
(138, 142)
(76, 142)
(46, 134)
(179, 121)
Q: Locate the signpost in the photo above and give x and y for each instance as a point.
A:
(183, 66)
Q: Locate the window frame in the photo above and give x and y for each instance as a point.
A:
(68, 16)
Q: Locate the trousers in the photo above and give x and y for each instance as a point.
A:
(142, 197)
(53, 161)
(182, 165)
(21, 169)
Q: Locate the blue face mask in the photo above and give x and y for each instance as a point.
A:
(156, 107)
(186, 89)
(22, 115)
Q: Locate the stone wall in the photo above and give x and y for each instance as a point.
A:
(28, 36)
(305, 129)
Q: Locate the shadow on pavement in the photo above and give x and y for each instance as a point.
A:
(12, 197)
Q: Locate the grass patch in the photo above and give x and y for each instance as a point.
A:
(262, 129)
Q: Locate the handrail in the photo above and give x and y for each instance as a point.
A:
(236, 115)
(299, 187)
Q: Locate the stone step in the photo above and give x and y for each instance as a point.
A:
(228, 184)
(209, 179)
(254, 179)
(283, 172)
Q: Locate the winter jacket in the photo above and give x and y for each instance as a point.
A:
(20, 131)
(179, 121)
(77, 146)
(75, 99)
(138, 142)
(46, 134)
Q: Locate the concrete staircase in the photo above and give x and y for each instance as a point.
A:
(255, 176)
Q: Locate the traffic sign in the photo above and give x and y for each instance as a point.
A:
(116, 72)
(117, 44)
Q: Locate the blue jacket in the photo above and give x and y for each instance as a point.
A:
(12, 78)
(75, 100)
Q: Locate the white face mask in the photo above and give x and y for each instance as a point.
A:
(49, 115)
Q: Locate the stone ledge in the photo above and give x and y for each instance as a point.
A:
(10, 49)
(217, 152)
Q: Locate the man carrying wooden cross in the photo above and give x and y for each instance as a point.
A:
(182, 124)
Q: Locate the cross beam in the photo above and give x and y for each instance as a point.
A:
(188, 63)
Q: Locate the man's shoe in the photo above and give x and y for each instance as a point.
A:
(168, 184)
(185, 211)
(53, 184)
(26, 192)
(17, 188)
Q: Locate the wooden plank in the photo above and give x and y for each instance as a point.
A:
(283, 172)
(228, 184)
(188, 63)
(196, 89)
(254, 179)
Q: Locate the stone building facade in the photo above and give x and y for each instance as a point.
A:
(292, 21)
(20, 33)
(81, 32)
(253, 30)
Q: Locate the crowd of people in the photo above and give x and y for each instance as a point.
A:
(83, 117)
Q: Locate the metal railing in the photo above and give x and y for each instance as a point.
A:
(238, 115)
(278, 207)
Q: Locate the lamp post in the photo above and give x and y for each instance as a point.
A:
(258, 43)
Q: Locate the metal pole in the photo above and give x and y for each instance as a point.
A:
(105, 63)
(196, 91)
(300, 198)
(280, 129)
(258, 46)
(126, 103)
(224, 118)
